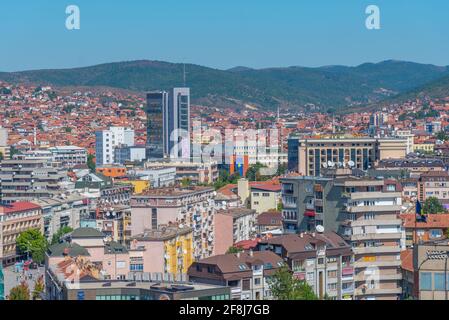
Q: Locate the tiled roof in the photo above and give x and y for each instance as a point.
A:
(433, 221)
(407, 260)
(18, 207)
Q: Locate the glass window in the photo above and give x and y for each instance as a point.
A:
(438, 279)
(425, 281)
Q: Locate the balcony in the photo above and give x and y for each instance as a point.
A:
(379, 249)
(377, 263)
(361, 209)
(376, 236)
(374, 195)
(382, 277)
(375, 222)
(377, 291)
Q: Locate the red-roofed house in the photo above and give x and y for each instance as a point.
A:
(15, 219)
(434, 229)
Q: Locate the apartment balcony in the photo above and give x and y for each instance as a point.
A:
(382, 277)
(362, 209)
(379, 249)
(375, 222)
(377, 263)
(377, 291)
(374, 195)
(376, 236)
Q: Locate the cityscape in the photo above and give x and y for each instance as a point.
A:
(153, 180)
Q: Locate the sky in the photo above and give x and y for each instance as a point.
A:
(221, 34)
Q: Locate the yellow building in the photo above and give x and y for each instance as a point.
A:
(139, 185)
(424, 147)
(179, 251)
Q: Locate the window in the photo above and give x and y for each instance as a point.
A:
(369, 216)
(332, 274)
(332, 286)
(320, 260)
(438, 279)
(154, 218)
(257, 281)
(198, 268)
(246, 284)
(425, 281)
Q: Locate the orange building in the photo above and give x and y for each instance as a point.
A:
(112, 171)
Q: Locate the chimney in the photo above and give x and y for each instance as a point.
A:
(301, 235)
(251, 253)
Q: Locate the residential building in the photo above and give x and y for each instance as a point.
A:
(15, 219)
(62, 211)
(69, 156)
(246, 273)
(406, 134)
(269, 221)
(125, 154)
(233, 225)
(167, 251)
(192, 207)
(196, 172)
(323, 260)
(158, 177)
(434, 184)
(434, 228)
(27, 180)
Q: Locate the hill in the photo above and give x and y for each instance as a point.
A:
(291, 87)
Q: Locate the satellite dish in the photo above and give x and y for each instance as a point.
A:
(340, 164)
(351, 164)
(324, 165)
(319, 229)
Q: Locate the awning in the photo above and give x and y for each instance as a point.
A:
(309, 213)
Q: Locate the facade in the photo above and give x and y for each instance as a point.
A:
(323, 260)
(434, 184)
(15, 219)
(177, 129)
(407, 134)
(233, 225)
(196, 172)
(434, 229)
(27, 180)
(69, 156)
(415, 166)
(125, 154)
(360, 153)
(246, 273)
(167, 251)
(371, 224)
(107, 140)
(192, 207)
(62, 211)
(157, 104)
(158, 177)
(269, 221)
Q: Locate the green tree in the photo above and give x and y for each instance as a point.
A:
(39, 288)
(253, 172)
(34, 243)
(186, 182)
(433, 206)
(20, 292)
(91, 162)
(61, 232)
(234, 250)
(284, 286)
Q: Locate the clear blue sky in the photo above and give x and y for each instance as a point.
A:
(222, 33)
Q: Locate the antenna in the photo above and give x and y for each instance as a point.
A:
(184, 75)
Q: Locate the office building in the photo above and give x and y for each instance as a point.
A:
(156, 110)
(177, 129)
(107, 140)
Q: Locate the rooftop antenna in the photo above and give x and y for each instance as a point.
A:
(184, 75)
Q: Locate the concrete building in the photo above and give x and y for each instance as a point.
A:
(323, 260)
(158, 177)
(62, 211)
(192, 207)
(107, 140)
(177, 124)
(434, 229)
(167, 251)
(233, 225)
(125, 154)
(360, 153)
(434, 184)
(69, 156)
(373, 227)
(27, 180)
(246, 273)
(409, 136)
(15, 219)
(196, 172)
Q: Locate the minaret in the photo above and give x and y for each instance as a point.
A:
(35, 136)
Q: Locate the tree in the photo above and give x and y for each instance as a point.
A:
(433, 206)
(61, 232)
(91, 162)
(234, 250)
(186, 182)
(39, 288)
(284, 286)
(20, 292)
(32, 242)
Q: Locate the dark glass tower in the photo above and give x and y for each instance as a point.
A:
(157, 103)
